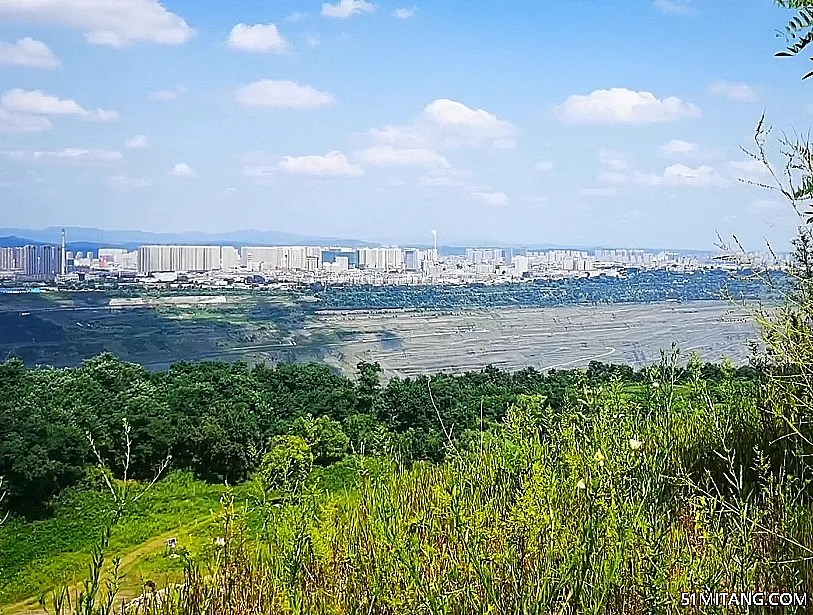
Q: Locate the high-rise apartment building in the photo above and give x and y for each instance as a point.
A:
(279, 258)
(381, 259)
(480, 256)
(521, 264)
(229, 257)
(164, 259)
(412, 259)
(39, 260)
(11, 259)
(329, 255)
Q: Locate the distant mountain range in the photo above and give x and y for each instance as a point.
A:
(91, 239)
(13, 241)
(132, 239)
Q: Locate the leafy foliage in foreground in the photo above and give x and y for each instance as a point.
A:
(606, 505)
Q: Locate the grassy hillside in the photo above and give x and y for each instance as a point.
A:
(614, 501)
(36, 556)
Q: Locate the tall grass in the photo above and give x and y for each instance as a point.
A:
(36, 556)
(614, 504)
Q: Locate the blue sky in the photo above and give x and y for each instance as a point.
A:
(590, 122)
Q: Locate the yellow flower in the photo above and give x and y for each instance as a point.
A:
(635, 444)
(599, 456)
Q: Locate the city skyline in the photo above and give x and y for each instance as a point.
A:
(485, 127)
(116, 238)
(397, 265)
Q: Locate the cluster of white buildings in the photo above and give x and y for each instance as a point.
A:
(109, 258)
(155, 259)
(631, 257)
(168, 259)
(488, 256)
(384, 263)
(41, 260)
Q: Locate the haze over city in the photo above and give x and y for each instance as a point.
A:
(576, 123)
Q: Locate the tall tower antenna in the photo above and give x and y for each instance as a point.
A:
(64, 267)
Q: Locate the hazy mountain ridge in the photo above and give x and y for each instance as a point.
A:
(132, 238)
(89, 238)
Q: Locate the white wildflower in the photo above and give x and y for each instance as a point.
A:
(581, 484)
(635, 444)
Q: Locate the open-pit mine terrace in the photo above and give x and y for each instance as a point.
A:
(409, 343)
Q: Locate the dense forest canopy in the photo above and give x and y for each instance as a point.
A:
(218, 420)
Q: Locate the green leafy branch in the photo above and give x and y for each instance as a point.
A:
(799, 31)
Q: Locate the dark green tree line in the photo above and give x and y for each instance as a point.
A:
(221, 420)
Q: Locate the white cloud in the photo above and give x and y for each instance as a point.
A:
(258, 38)
(282, 95)
(37, 102)
(164, 95)
(740, 92)
(137, 142)
(346, 8)
(681, 8)
(615, 161)
(167, 95)
(27, 52)
(543, 166)
(132, 182)
(602, 191)
(687, 149)
(447, 123)
(496, 199)
(296, 17)
(65, 155)
(623, 106)
(750, 170)
(703, 176)
(22, 123)
(334, 164)
(182, 169)
(674, 175)
(677, 146)
(388, 156)
(313, 40)
(115, 23)
(618, 173)
(399, 135)
(470, 124)
(615, 166)
(405, 13)
(458, 181)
